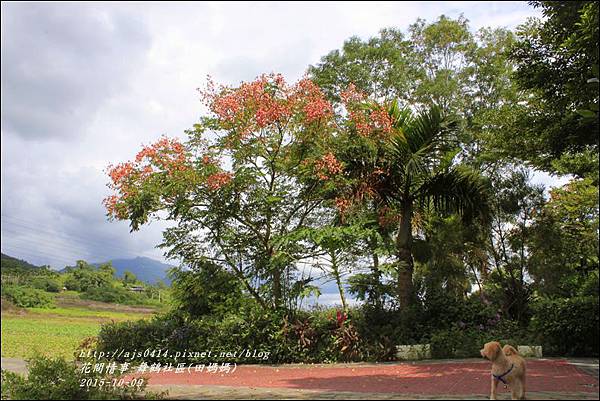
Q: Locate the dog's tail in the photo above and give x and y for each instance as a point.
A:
(509, 350)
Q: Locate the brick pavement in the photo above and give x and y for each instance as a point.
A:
(547, 379)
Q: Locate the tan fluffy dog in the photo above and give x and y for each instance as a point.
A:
(508, 367)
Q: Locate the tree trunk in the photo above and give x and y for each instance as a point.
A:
(405, 259)
(338, 280)
(376, 294)
(277, 287)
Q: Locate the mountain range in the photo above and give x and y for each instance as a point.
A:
(151, 271)
(145, 269)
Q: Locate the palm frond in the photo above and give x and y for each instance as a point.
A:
(418, 137)
(456, 190)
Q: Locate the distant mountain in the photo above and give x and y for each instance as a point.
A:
(145, 269)
(13, 264)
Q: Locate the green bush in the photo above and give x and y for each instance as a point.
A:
(567, 327)
(26, 297)
(367, 334)
(206, 290)
(113, 294)
(57, 379)
(46, 284)
(466, 342)
(456, 343)
(590, 286)
(304, 337)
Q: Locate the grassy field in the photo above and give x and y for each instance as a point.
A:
(58, 331)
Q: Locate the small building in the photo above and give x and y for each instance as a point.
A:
(137, 288)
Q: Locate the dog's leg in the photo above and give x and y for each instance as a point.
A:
(517, 390)
(494, 388)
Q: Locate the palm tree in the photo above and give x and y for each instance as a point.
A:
(417, 171)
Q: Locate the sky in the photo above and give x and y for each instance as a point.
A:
(86, 84)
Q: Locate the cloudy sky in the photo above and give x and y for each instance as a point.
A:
(85, 84)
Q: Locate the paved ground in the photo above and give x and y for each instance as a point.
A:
(464, 379)
(547, 379)
(14, 365)
(256, 393)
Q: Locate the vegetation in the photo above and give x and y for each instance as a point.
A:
(27, 297)
(556, 62)
(401, 169)
(58, 331)
(378, 171)
(41, 317)
(57, 379)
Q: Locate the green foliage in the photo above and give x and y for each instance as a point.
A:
(557, 63)
(10, 264)
(205, 290)
(129, 277)
(567, 326)
(114, 294)
(306, 337)
(47, 284)
(516, 202)
(423, 67)
(25, 297)
(413, 191)
(381, 66)
(249, 328)
(57, 379)
(83, 276)
(564, 240)
(458, 342)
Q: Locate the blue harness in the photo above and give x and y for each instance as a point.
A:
(501, 377)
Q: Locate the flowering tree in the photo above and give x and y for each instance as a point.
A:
(248, 177)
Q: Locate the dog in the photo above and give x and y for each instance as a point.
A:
(508, 367)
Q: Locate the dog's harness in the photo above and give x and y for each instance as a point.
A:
(501, 377)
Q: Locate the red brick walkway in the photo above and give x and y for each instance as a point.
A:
(452, 378)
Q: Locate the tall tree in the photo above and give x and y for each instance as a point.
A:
(233, 187)
(513, 211)
(563, 240)
(557, 64)
(443, 62)
(415, 169)
(383, 66)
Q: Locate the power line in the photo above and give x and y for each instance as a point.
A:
(32, 238)
(54, 232)
(19, 251)
(70, 238)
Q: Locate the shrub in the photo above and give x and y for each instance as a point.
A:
(113, 294)
(590, 285)
(206, 290)
(465, 342)
(26, 297)
(456, 343)
(57, 379)
(251, 330)
(443, 311)
(303, 337)
(322, 336)
(381, 330)
(46, 284)
(567, 327)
